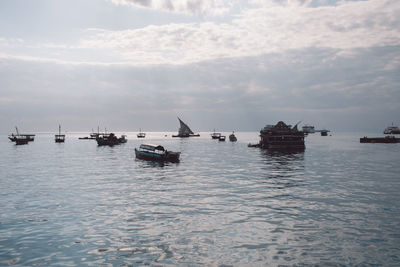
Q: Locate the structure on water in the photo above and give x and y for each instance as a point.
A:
(281, 136)
(184, 130)
(59, 138)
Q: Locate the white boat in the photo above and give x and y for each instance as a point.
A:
(141, 134)
(308, 129)
(392, 130)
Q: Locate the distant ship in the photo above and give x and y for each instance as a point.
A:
(21, 139)
(281, 136)
(59, 138)
(392, 130)
(232, 137)
(308, 129)
(215, 135)
(185, 131)
(140, 134)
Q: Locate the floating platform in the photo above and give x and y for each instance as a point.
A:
(386, 140)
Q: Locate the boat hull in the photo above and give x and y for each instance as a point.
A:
(146, 155)
(186, 135)
(385, 140)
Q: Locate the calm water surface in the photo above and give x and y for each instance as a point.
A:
(224, 204)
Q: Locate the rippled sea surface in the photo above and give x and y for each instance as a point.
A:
(336, 204)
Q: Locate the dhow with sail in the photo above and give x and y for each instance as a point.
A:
(184, 130)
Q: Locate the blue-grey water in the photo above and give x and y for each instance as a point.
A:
(77, 204)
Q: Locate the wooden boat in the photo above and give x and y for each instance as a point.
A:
(21, 137)
(281, 136)
(184, 130)
(386, 140)
(222, 138)
(110, 139)
(59, 138)
(141, 134)
(156, 153)
(21, 140)
(215, 135)
(232, 137)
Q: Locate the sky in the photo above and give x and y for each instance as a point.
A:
(225, 65)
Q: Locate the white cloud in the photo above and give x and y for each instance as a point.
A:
(275, 27)
(192, 7)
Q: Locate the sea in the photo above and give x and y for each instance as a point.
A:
(337, 203)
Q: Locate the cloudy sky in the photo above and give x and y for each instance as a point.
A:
(229, 65)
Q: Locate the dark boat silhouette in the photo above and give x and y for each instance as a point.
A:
(185, 131)
(59, 138)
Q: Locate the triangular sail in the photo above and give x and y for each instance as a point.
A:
(184, 129)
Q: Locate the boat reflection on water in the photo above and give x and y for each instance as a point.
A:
(146, 164)
(283, 168)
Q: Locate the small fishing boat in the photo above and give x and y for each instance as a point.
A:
(222, 138)
(141, 134)
(59, 138)
(232, 137)
(110, 139)
(156, 153)
(215, 135)
(21, 138)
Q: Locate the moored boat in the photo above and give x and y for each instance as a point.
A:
(392, 130)
(21, 138)
(232, 137)
(222, 138)
(59, 138)
(110, 139)
(282, 136)
(308, 129)
(141, 134)
(156, 153)
(215, 135)
(184, 130)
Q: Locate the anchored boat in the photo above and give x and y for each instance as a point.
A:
(21, 139)
(215, 135)
(392, 130)
(185, 131)
(59, 138)
(110, 139)
(156, 153)
(232, 137)
(141, 134)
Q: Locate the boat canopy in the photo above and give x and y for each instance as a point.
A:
(152, 147)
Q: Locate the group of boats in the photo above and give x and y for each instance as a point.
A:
(222, 138)
(279, 136)
(390, 138)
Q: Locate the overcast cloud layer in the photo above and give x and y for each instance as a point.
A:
(236, 65)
